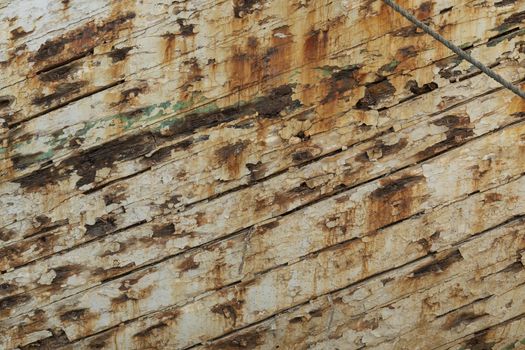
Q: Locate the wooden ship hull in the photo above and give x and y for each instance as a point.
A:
(260, 174)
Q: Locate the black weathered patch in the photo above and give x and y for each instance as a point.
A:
(90, 32)
(163, 230)
(375, 93)
(247, 340)
(185, 29)
(150, 330)
(459, 131)
(101, 226)
(74, 315)
(278, 100)
(165, 152)
(13, 301)
(243, 7)
(440, 265)
(341, 81)
(228, 310)
(6, 101)
(396, 186)
(119, 54)
(463, 318)
(504, 3)
(414, 87)
(57, 340)
(59, 73)
(62, 91)
(104, 155)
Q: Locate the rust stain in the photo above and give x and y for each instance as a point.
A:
(169, 46)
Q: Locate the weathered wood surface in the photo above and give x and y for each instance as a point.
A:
(259, 175)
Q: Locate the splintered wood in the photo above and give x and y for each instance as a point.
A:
(260, 174)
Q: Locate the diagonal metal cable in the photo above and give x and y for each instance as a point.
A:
(457, 50)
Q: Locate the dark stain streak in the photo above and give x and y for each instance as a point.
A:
(316, 313)
(59, 73)
(269, 106)
(425, 10)
(18, 33)
(7, 288)
(505, 35)
(448, 9)
(231, 151)
(316, 44)
(6, 234)
(87, 164)
(101, 226)
(129, 94)
(249, 340)
(302, 156)
(396, 186)
(459, 131)
(163, 231)
(463, 318)
(62, 91)
(478, 342)
(113, 198)
(440, 265)
(383, 150)
(150, 330)
(504, 3)
(64, 272)
(85, 38)
(514, 19)
(74, 315)
(165, 152)
(57, 340)
(407, 52)
(8, 303)
(298, 319)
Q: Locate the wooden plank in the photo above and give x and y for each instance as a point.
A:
(260, 174)
(421, 187)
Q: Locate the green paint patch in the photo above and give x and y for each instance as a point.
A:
(509, 347)
(327, 71)
(522, 341)
(390, 67)
(180, 105)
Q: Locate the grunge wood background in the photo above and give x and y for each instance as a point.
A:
(260, 174)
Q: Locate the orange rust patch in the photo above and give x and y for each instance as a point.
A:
(232, 156)
(393, 201)
(188, 264)
(229, 310)
(169, 46)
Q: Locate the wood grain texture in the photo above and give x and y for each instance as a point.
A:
(260, 174)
